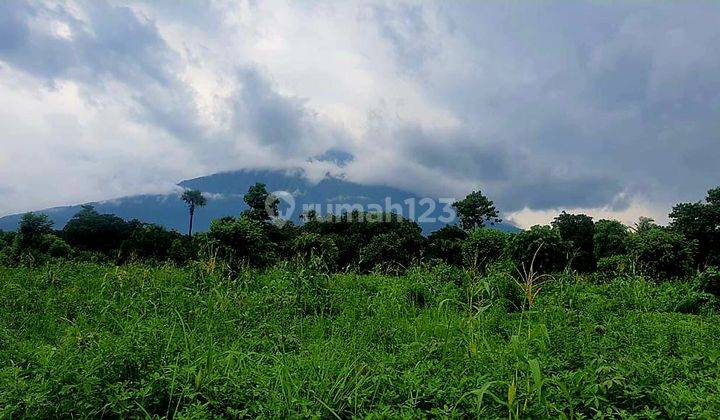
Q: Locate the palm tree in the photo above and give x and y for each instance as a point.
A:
(193, 198)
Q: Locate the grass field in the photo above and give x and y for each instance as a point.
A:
(87, 340)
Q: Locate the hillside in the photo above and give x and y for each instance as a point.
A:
(226, 198)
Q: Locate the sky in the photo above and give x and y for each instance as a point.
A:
(607, 108)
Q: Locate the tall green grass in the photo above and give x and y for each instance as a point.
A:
(83, 340)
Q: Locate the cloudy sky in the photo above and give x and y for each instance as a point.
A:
(612, 108)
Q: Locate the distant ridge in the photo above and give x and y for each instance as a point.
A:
(226, 190)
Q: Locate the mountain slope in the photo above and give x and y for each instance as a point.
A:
(226, 190)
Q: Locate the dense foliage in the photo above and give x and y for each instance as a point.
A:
(359, 314)
(85, 340)
(387, 242)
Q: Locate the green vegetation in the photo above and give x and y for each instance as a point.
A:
(359, 315)
(87, 340)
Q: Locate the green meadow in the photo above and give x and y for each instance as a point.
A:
(85, 340)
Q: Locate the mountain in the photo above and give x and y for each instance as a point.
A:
(225, 191)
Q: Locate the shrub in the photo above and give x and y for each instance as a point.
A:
(552, 254)
(483, 247)
(615, 266)
(55, 247)
(661, 253)
(709, 280)
(321, 250)
(446, 244)
(390, 252)
(242, 240)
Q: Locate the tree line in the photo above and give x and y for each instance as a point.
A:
(388, 242)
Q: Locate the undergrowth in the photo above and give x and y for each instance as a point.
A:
(84, 340)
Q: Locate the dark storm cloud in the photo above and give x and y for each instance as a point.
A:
(617, 97)
(455, 152)
(552, 192)
(113, 41)
(281, 123)
(338, 157)
(507, 173)
(541, 104)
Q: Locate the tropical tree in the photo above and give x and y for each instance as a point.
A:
(193, 198)
(32, 228)
(92, 231)
(483, 247)
(662, 253)
(447, 244)
(540, 247)
(578, 230)
(701, 222)
(610, 238)
(474, 210)
(262, 205)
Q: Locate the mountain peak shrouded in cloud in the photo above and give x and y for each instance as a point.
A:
(225, 192)
(612, 108)
(337, 157)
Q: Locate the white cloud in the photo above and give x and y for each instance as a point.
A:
(609, 108)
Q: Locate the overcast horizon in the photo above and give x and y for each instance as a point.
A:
(606, 108)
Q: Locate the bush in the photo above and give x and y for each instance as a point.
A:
(390, 252)
(709, 280)
(615, 266)
(661, 253)
(446, 244)
(55, 247)
(483, 247)
(552, 251)
(242, 240)
(318, 249)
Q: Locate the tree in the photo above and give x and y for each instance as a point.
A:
(483, 247)
(36, 238)
(32, 228)
(353, 231)
(149, 241)
(610, 238)
(392, 251)
(644, 224)
(446, 244)
(474, 210)
(552, 254)
(662, 253)
(263, 205)
(700, 222)
(193, 198)
(242, 241)
(578, 231)
(92, 231)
